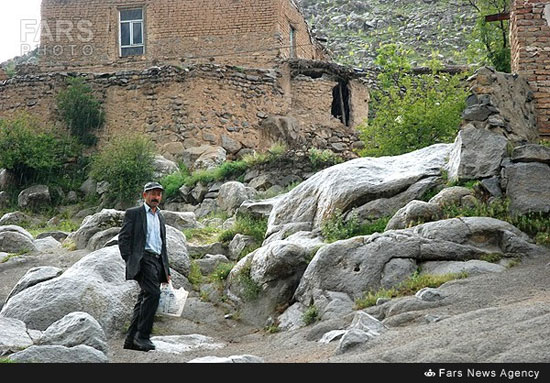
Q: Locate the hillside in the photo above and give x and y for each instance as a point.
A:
(354, 29)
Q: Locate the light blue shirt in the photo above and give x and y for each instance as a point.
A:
(153, 242)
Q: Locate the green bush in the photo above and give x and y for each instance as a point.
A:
(126, 163)
(411, 111)
(80, 110)
(33, 152)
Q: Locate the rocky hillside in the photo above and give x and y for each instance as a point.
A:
(354, 29)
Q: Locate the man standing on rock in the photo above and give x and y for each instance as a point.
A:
(142, 244)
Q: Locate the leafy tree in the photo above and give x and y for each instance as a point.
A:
(411, 111)
(33, 152)
(80, 110)
(491, 38)
(126, 163)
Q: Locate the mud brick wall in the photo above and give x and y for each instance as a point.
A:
(203, 104)
(252, 33)
(530, 44)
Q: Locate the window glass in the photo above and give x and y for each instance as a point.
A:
(125, 34)
(131, 14)
(132, 51)
(138, 36)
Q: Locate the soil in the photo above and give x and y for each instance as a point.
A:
(497, 317)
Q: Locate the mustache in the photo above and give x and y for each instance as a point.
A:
(155, 200)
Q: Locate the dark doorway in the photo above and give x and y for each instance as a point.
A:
(340, 102)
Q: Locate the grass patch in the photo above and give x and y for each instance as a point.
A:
(221, 272)
(195, 275)
(203, 235)
(248, 225)
(492, 257)
(336, 228)
(407, 287)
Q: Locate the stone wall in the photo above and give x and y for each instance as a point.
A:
(83, 35)
(530, 40)
(200, 104)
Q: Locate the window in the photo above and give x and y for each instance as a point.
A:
(292, 42)
(131, 32)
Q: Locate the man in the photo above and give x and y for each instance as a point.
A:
(142, 244)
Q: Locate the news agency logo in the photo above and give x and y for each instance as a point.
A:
(429, 373)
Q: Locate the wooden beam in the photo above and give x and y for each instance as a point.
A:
(497, 17)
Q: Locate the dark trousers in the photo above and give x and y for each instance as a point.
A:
(148, 298)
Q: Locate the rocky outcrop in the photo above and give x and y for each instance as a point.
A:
(34, 197)
(357, 265)
(15, 239)
(355, 184)
(95, 284)
(33, 276)
(59, 354)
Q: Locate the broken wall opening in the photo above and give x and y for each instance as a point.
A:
(341, 102)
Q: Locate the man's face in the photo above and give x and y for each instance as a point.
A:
(153, 197)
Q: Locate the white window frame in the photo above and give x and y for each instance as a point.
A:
(131, 22)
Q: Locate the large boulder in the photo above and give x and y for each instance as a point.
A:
(343, 187)
(33, 276)
(527, 185)
(36, 196)
(181, 220)
(178, 256)
(285, 129)
(59, 354)
(92, 224)
(413, 213)
(275, 270)
(476, 153)
(95, 284)
(358, 264)
(74, 329)
(163, 167)
(15, 239)
(204, 157)
(232, 194)
(13, 336)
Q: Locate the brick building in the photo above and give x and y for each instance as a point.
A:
(241, 74)
(530, 44)
(98, 34)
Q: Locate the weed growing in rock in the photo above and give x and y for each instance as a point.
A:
(195, 275)
(250, 288)
(310, 315)
(323, 158)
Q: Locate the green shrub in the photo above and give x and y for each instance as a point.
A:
(80, 110)
(221, 272)
(411, 111)
(126, 163)
(33, 152)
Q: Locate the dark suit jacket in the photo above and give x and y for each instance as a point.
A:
(131, 242)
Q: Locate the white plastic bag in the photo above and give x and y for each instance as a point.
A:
(171, 301)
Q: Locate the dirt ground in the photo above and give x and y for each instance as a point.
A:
(498, 317)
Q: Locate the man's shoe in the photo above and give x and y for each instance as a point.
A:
(129, 344)
(143, 344)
